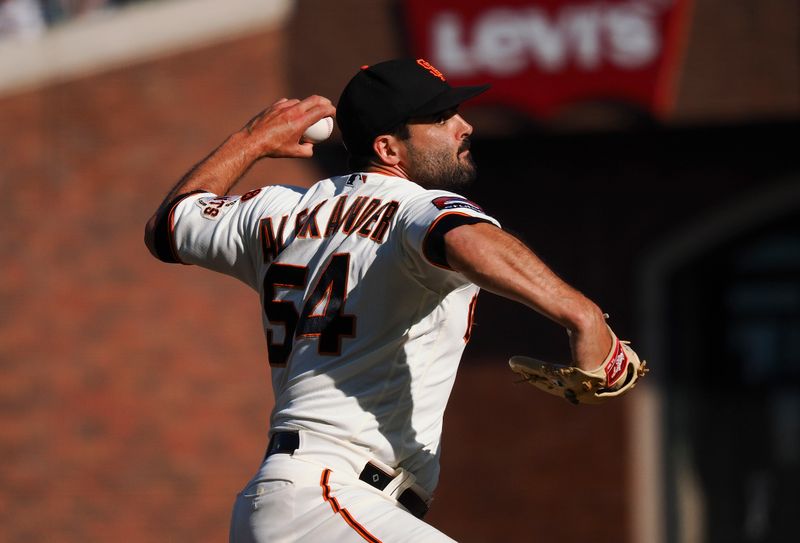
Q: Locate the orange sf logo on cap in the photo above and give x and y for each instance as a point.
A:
(428, 66)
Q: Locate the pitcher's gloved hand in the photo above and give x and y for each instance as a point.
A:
(616, 375)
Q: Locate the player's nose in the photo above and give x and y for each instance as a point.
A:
(465, 129)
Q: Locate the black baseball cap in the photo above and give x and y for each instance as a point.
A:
(381, 97)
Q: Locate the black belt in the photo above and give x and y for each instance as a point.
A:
(288, 442)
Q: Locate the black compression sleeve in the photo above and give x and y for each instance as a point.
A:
(433, 245)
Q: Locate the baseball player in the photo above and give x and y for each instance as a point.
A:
(368, 284)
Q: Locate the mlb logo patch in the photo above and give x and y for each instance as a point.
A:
(351, 181)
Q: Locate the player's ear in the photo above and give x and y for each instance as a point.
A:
(388, 149)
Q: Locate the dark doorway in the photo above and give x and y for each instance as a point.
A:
(733, 388)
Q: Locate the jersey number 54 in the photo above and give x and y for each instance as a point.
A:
(322, 314)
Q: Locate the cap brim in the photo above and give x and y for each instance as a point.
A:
(449, 99)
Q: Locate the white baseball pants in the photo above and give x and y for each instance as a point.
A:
(315, 496)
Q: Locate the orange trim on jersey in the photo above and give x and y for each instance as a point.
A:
(325, 298)
(348, 518)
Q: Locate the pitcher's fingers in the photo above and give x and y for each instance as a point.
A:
(272, 112)
(276, 106)
(315, 101)
(317, 112)
(304, 150)
(283, 103)
(323, 110)
(308, 147)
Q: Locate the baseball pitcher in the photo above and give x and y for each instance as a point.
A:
(368, 283)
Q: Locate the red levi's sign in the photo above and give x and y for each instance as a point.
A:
(541, 55)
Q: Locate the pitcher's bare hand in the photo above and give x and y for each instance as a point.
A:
(276, 131)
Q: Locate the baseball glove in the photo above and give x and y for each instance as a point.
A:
(618, 374)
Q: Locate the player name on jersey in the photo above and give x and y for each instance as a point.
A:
(369, 217)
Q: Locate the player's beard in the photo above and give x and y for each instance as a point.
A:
(439, 169)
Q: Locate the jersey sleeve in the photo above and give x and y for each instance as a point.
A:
(221, 233)
(424, 221)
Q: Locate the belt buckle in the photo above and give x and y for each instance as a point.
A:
(375, 476)
(397, 486)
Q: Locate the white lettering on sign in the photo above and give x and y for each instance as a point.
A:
(507, 41)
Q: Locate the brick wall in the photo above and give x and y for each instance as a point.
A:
(134, 394)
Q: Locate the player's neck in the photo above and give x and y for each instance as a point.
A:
(385, 169)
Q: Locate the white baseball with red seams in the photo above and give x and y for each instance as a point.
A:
(319, 131)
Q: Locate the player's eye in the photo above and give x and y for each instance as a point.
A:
(445, 116)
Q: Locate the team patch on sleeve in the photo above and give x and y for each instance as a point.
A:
(215, 207)
(455, 202)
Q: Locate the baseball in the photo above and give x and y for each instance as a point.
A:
(319, 131)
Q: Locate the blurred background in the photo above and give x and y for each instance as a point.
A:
(646, 149)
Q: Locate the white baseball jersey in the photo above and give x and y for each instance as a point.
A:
(364, 320)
